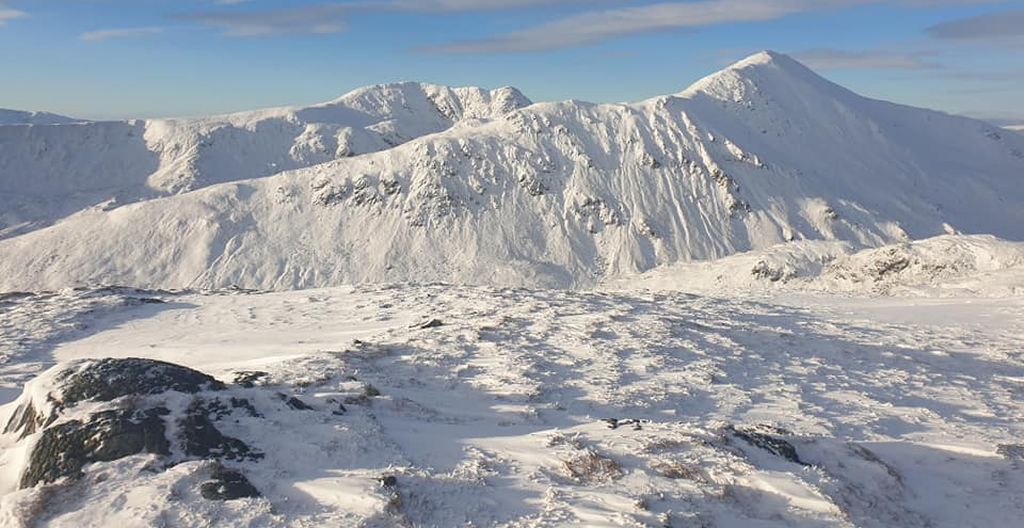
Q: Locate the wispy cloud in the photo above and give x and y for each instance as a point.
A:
(325, 18)
(833, 59)
(993, 26)
(100, 35)
(594, 26)
(7, 14)
(600, 25)
(331, 17)
(469, 5)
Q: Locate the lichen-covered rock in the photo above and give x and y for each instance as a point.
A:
(64, 448)
(199, 437)
(103, 410)
(108, 379)
(101, 380)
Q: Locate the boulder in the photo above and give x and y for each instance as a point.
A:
(227, 484)
(102, 410)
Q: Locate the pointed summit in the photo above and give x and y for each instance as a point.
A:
(767, 57)
(765, 72)
(779, 62)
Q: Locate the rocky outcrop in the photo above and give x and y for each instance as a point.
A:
(103, 410)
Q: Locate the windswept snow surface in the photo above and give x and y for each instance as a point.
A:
(553, 194)
(553, 408)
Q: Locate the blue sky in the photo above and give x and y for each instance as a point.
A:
(144, 58)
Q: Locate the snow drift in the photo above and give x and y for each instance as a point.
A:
(553, 194)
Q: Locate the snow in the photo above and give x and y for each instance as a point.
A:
(762, 301)
(553, 194)
(49, 172)
(948, 265)
(20, 117)
(900, 416)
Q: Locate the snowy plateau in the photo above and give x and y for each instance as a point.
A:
(762, 301)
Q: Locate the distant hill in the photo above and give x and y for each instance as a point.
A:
(19, 117)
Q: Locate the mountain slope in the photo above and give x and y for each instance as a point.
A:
(563, 194)
(21, 117)
(946, 266)
(49, 172)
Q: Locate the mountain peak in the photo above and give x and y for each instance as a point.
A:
(774, 60)
(763, 71)
(763, 57)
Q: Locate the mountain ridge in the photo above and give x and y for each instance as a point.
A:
(10, 116)
(116, 162)
(565, 194)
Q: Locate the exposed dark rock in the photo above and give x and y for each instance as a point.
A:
(227, 484)
(768, 438)
(142, 396)
(109, 379)
(615, 423)
(217, 408)
(295, 403)
(199, 437)
(389, 481)
(63, 449)
(24, 419)
(242, 403)
(249, 378)
(1011, 451)
(433, 323)
(147, 300)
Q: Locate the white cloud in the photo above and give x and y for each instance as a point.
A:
(7, 14)
(994, 26)
(330, 17)
(325, 18)
(466, 5)
(108, 34)
(596, 26)
(590, 26)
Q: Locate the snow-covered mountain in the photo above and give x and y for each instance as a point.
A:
(21, 117)
(943, 266)
(552, 194)
(49, 172)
